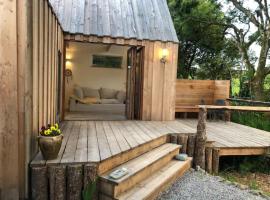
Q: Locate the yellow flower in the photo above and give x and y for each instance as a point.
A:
(56, 126)
(53, 128)
(47, 132)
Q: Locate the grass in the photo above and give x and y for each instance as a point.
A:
(253, 172)
(254, 185)
(252, 119)
(254, 181)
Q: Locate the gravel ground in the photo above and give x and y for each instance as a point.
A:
(197, 185)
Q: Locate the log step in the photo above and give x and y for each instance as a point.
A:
(139, 168)
(158, 182)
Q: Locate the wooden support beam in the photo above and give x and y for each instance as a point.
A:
(191, 145)
(208, 159)
(215, 161)
(199, 155)
(90, 176)
(39, 183)
(173, 138)
(242, 151)
(183, 140)
(74, 182)
(57, 182)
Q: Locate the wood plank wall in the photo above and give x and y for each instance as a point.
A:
(47, 41)
(9, 104)
(30, 38)
(191, 92)
(159, 82)
(159, 79)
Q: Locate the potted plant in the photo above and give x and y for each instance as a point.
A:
(50, 141)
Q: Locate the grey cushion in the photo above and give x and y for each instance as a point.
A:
(78, 92)
(110, 101)
(121, 96)
(106, 93)
(89, 92)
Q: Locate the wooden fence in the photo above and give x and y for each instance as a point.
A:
(190, 93)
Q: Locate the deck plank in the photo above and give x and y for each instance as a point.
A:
(145, 130)
(150, 128)
(140, 139)
(129, 138)
(112, 141)
(92, 144)
(181, 127)
(120, 138)
(69, 153)
(81, 150)
(104, 148)
(138, 131)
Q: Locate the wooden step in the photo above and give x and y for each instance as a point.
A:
(139, 169)
(158, 182)
(112, 162)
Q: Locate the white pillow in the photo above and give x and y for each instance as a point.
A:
(121, 96)
(106, 93)
(78, 92)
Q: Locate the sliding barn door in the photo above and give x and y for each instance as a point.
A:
(134, 83)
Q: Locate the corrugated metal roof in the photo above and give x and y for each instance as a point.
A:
(140, 19)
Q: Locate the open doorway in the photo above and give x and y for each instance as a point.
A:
(103, 82)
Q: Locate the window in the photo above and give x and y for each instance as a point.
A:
(107, 61)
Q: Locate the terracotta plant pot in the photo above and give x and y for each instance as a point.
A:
(50, 146)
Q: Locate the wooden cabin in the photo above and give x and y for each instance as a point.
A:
(56, 56)
(34, 39)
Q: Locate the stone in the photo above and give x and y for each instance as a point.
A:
(243, 187)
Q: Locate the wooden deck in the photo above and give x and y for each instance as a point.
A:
(95, 141)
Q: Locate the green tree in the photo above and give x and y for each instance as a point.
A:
(223, 64)
(197, 24)
(247, 26)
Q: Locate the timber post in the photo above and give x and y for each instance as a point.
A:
(39, 183)
(57, 182)
(208, 157)
(215, 161)
(173, 138)
(191, 145)
(90, 177)
(74, 182)
(183, 140)
(199, 155)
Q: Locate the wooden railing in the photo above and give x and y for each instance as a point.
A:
(249, 102)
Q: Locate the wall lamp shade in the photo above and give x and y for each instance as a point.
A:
(164, 55)
(68, 56)
(68, 64)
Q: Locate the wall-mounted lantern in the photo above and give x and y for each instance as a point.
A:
(164, 55)
(68, 70)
